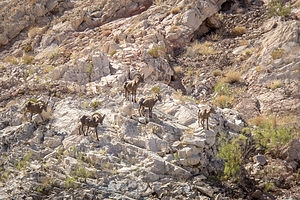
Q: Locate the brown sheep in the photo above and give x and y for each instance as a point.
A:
(131, 86)
(91, 121)
(148, 102)
(204, 113)
(35, 107)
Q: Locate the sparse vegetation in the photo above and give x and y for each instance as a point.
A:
(259, 68)
(232, 77)
(222, 88)
(95, 104)
(27, 59)
(238, 30)
(277, 53)
(156, 52)
(270, 135)
(113, 52)
(217, 72)
(224, 101)
(28, 48)
(277, 8)
(175, 10)
(231, 152)
(178, 70)
(12, 60)
(275, 84)
(24, 162)
(155, 89)
(198, 48)
(48, 68)
(106, 33)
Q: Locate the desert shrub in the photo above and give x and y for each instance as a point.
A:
(174, 28)
(222, 88)
(232, 77)
(175, 10)
(106, 33)
(90, 69)
(224, 101)
(178, 70)
(156, 52)
(231, 152)
(258, 121)
(95, 104)
(277, 53)
(113, 52)
(198, 48)
(48, 68)
(158, 2)
(12, 60)
(275, 84)
(155, 89)
(276, 8)
(217, 72)
(238, 30)
(271, 136)
(24, 162)
(28, 48)
(27, 59)
(258, 68)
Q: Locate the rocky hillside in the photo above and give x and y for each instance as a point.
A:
(241, 57)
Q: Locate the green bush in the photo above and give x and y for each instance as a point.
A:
(155, 89)
(222, 88)
(276, 8)
(272, 137)
(231, 152)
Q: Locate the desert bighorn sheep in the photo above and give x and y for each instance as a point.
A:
(35, 107)
(91, 121)
(204, 113)
(131, 86)
(148, 102)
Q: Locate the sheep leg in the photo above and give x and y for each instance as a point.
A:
(87, 130)
(134, 96)
(41, 117)
(140, 108)
(150, 112)
(202, 123)
(96, 133)
(207, 122)
(31, 116)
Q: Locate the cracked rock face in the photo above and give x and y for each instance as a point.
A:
(76, 55)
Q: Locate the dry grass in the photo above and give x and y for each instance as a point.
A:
(178, 70)
(156, 52)
(106, 33)
(34, 31)
(232, 77)
(174, 28)
(243, 42)
(275, 84)
(259, 68)
(157, 2)
(224, 101)
(175, 10)
(198, 48)
(239, 30)
(27, 59)
(258, 120)
(217, 72)
(48, 68)
(12, 60)
(215, 37)
(277, 53)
